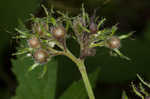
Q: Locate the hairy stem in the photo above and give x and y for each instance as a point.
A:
(82, 69)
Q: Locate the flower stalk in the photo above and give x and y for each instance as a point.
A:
(86, 81)
(81, 66)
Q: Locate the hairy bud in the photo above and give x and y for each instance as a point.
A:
(59, 32)
(41, 56)
(93, 28)
(34, 42)
(37, 28)
(113, 42)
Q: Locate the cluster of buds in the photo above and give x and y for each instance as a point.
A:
(140, 90)
(90, 34)
(47, 36)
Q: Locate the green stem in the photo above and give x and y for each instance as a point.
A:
(82, 69)
(85, 78)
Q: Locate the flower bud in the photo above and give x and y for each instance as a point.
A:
(59, 32)
(37, 29)
(87, 52)
(34, 42)
(41, 56)
(113, 42)
(93, 28)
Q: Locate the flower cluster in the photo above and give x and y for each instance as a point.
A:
(47, 36)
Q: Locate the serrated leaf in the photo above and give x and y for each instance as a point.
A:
(77, 89)
(30, 86)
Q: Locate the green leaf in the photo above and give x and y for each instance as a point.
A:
(126, 35)
(30, 85)
(114, 29)
(145, 83)
(124, 95)
(136, 91)
(121, 55)
(101, 23)
(77, 89)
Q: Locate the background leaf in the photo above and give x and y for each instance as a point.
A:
(30, 86)
(77, 89)
(11, 11)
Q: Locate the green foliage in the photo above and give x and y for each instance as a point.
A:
(11, 11)
(77, 90)
(30, 85)
(124, 95)
(140, 90)
(50, 34)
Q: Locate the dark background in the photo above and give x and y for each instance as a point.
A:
(116, 74)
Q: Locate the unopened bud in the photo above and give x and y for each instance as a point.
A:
(41, 56)
(34, 42)
(59, 32)
(113, 42)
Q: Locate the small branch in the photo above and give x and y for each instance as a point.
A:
(56, 52)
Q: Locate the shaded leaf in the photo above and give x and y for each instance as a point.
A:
(77, 89)
(30, 86)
